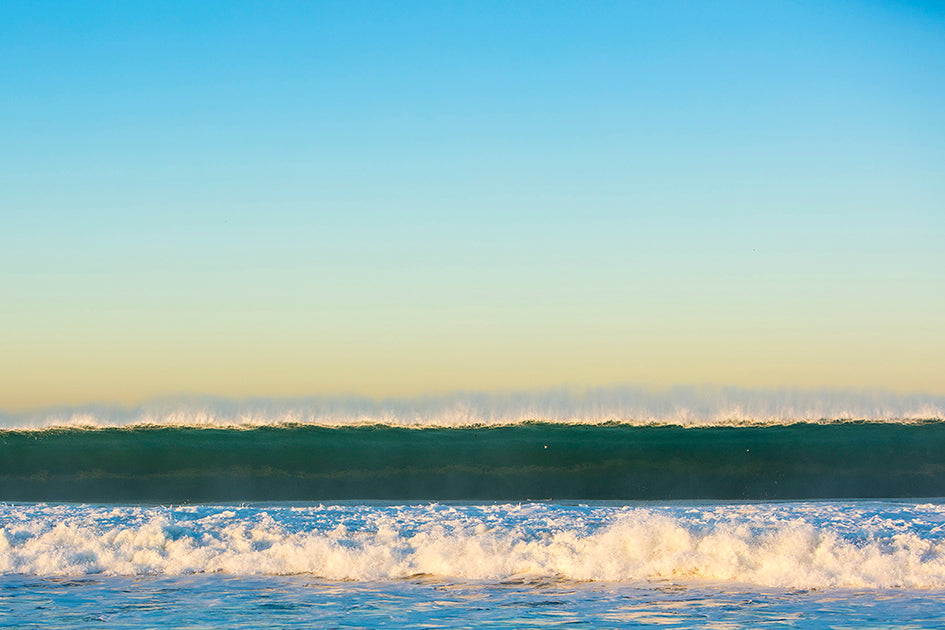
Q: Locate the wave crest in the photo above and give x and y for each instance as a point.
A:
(686, 406)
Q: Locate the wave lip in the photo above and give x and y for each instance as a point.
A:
(684, 406)
(820, 545)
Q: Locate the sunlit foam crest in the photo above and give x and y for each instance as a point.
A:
(687, 406)
(778, 546)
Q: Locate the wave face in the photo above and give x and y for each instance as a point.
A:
(509, 462)
(853, 544)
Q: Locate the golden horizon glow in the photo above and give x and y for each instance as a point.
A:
(616, 194)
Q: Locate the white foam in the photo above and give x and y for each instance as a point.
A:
(815, 545)
(686, 406)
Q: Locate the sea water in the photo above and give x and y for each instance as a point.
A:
(603, 525)
(841, 564)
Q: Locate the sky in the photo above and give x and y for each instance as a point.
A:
(403, 198)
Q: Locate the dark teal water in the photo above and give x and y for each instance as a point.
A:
(513, 462)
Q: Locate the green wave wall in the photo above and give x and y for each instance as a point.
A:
(513, 462)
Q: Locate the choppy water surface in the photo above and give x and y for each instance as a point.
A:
(222, 601)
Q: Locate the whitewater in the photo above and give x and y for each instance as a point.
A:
(877, 564)
(615, 508)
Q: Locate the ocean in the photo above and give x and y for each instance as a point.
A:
(736, 523)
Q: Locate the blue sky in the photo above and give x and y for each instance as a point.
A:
(394, 198)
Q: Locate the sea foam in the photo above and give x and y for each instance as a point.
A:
(797, 545)
(687, 406)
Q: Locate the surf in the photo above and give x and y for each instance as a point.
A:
(871, 545)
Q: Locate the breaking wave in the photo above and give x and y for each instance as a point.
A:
(686, 406)
(507, 462)
(803, 545)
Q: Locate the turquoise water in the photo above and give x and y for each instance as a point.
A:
(820, 564)
(527, 461)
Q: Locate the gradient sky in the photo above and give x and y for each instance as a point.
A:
(281, 199)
